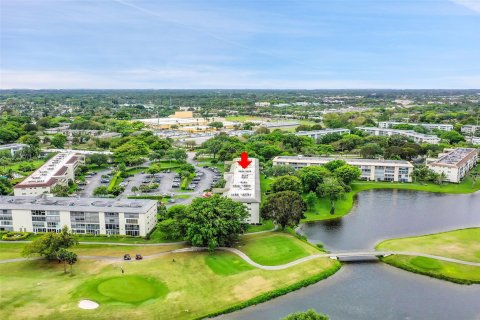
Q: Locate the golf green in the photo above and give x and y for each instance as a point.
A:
(125, 289)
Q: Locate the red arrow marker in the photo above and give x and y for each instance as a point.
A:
(244, 162)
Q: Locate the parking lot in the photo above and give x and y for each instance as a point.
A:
(168, 182)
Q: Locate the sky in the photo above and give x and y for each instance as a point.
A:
(239, 44)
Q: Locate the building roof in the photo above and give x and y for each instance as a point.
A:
(45, 175)
(300, 159)
(12, 145)
(455, 158)
(324, 131)
(76, 204)
(243, 184)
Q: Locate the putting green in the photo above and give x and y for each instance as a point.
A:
(126, 289)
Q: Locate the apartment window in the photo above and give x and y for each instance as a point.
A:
(132, 229)
(131, 221)
(131, 215)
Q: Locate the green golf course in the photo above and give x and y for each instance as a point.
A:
(171, 286)
(461, 244)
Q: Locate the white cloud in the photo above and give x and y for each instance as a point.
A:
(470, 4)
(208, 77)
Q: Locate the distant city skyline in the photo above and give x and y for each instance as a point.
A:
(221, 44)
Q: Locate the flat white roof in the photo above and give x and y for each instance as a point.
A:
(455, 157)
(75, 204)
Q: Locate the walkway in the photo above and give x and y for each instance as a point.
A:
(279, 267)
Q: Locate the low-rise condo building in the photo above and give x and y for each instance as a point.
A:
(243, 185)
(454, 164)
(429, 126)
(81, 215)
(372, 170)
(13, 148)
(473, 140)
(470, 129)
(56, 171)
(315, 134)
(415, 136)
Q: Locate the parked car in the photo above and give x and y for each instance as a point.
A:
(171, 200)
(127, 257)
(138, 256)
(176, 185)
(104, 181)
(146, 181)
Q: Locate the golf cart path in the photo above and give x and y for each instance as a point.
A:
(247, 259)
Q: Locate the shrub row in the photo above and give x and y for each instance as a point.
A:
(276, 293)
(427, 273)
(15, 236)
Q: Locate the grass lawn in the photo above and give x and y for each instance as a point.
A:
(275, 248)
(225, 264)
(182, 196)
(463, 244)
(14, 250)
(266, 225)
(242, 118)
(173, 286)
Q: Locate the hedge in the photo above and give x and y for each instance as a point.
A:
(113, 182)
(15, 236)
(276, 293)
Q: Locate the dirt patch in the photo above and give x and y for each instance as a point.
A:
(251, 287)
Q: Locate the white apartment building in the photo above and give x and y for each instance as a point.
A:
(372, 170)
(429, 126)
(455, 163)
(470, 129)
(243, 185)
(56, 171)
(473, 140)
(81, 215)
(417, 137)
(13, 148)
(315, 134)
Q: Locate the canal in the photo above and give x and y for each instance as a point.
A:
(375, 290)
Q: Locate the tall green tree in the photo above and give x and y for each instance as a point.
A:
(50, 243)
(286, 183)
(71, 259)
(213, 221)
(312, 176)
(331, 189)
(347, 173)
(307, 315)
(285, 208)
(58, 141)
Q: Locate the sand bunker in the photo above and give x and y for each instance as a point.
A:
(87, 304)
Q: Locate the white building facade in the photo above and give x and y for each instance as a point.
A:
(372, 170)
(429, 126)
(470, 129)
(83, 216)
(13, 148)
(455, 163)
(315, 134)
(56, 171)
(243, 185)
(415, 136)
